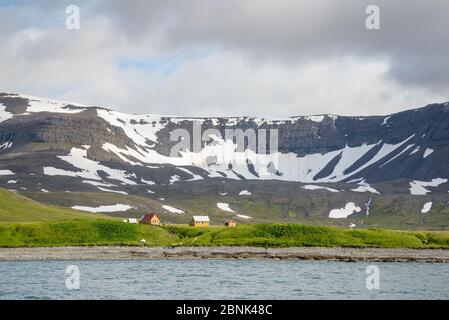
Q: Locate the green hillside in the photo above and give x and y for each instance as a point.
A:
(27, 223)
(277, 203)
(297, 235)
(82, 233)
(15, 208)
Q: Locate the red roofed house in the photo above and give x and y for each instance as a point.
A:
(151, 218)
(230, 223)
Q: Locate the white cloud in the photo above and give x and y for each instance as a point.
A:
(229, 79)
(227, 84)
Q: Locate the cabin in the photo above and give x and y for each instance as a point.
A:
(151, 218)
(230, 223)
(200, 221)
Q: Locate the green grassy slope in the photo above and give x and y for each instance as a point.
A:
(25, 222)
(296, 235)
(17, 208)
(108, 232)
(273, 206)
(82, 233)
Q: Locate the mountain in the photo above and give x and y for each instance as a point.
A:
(389, 171)
(15, 208)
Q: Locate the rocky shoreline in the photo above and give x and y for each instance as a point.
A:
(296, 253)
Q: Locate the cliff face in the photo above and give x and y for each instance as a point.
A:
(411, 145)
(370, 171)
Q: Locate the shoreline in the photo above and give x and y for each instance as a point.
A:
(234, 253)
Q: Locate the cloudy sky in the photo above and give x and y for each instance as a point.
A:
(230, 57)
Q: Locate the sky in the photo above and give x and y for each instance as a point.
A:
(229, 58)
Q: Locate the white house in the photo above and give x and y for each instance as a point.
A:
(200, 221)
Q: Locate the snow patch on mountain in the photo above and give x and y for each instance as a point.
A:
(6, 172)
(318, 118)
(349, 209)
(88, 168)
(139, 128)
(224, 206)
(399, 154)
(106, 208)
(38, 104)
(96, 183)
(149, 182)
(426, 207)
(113, 191)
(415, 150)
(417, 187)
(52, 171)
(427, 152)
(217, 157)
(194, 176)
(365, 187)
(4, 115)
(350, 155)
(385, 121)
(172, 209)
(6, 145)
(174, 178)
(316, 187)
(243, 216)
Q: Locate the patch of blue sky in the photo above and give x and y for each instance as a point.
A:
(165, 65)
(31, 13)
(159, 65)
(10, 3)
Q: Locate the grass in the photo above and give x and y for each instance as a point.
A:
(297, 235)
(270, 203)
(27, 223)
(15, 208)
(82, 233)
(109, 232)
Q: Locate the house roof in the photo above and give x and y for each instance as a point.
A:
(149, 216)
(201, 218)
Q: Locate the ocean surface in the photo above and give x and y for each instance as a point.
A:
(222, 279)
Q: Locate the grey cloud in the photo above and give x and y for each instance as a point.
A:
(413, 35)
(269, 56)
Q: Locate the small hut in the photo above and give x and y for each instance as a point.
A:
(151, 218)
(200, 221)
(230, 223)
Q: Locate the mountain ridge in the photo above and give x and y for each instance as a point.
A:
(73, 104)
(62, 146)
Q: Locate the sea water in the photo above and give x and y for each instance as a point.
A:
(221, 279)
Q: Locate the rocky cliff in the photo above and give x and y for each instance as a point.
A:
(58, 146)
